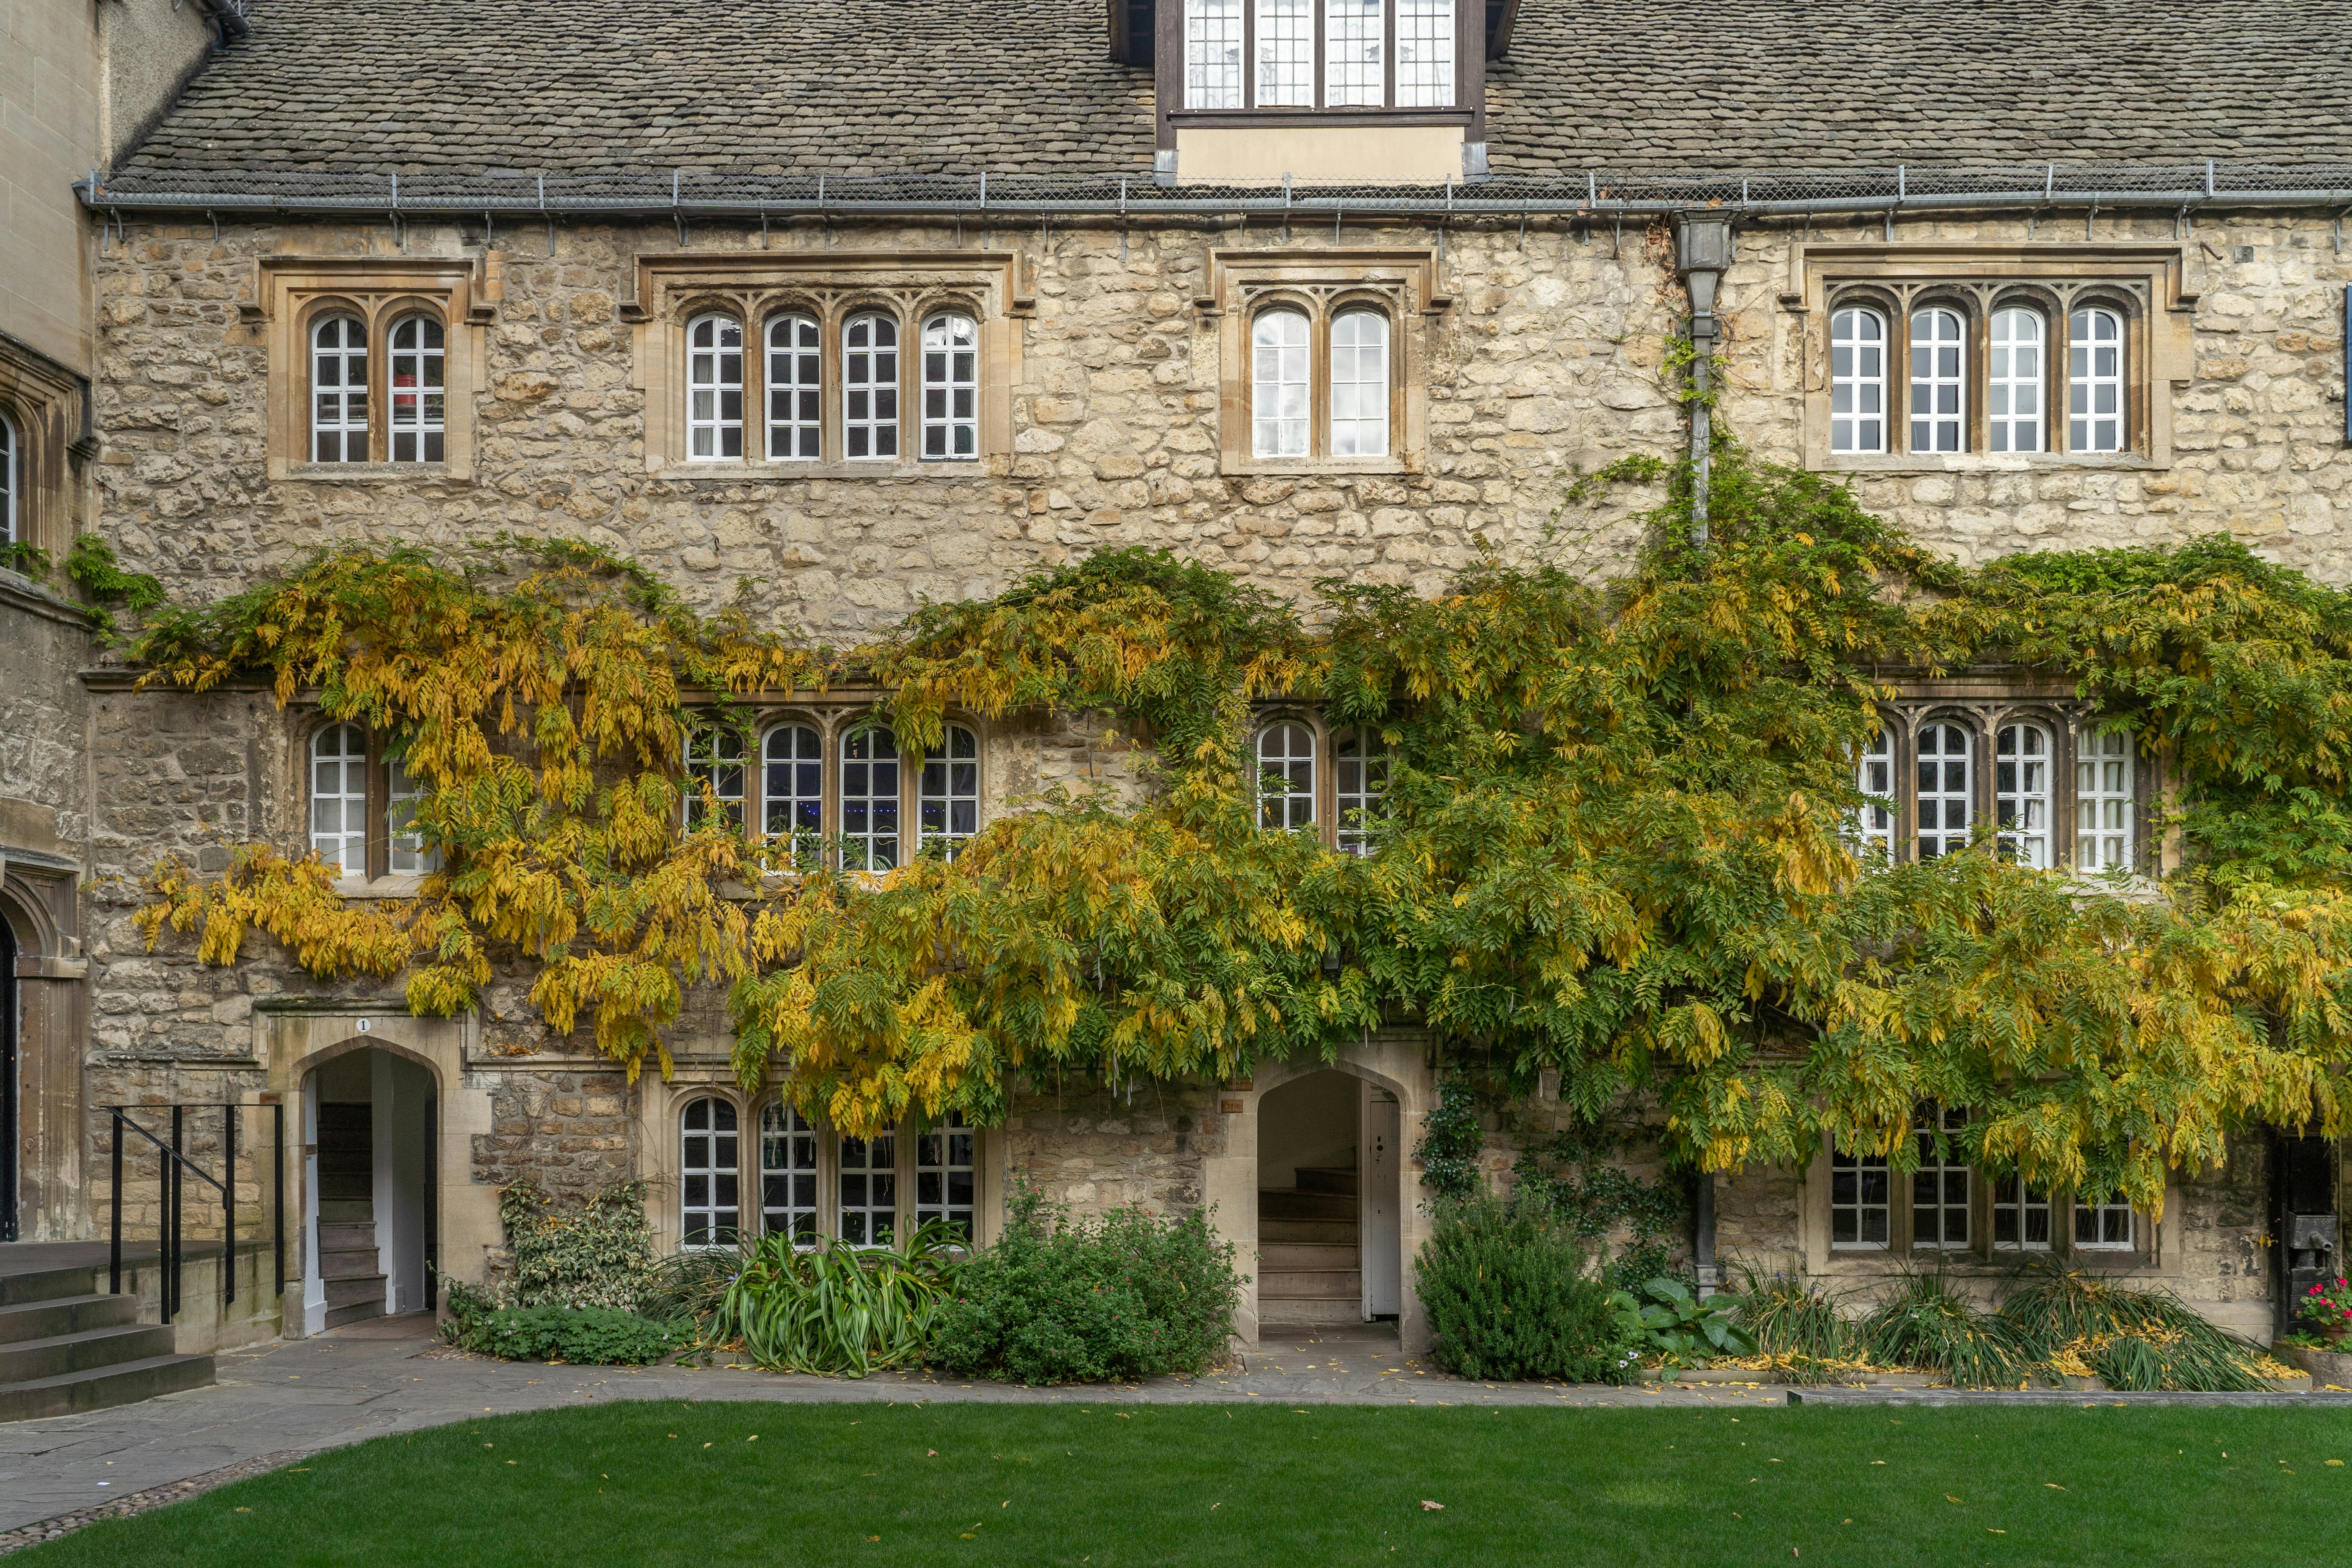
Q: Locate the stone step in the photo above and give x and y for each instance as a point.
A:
(350, 1263)
(1331, 1232)
(1298, 1284)
(346, 1237)
(1281, 1256)
(1303, 1311)
(1327, 1179)
(347, 1184)
(346, 1211)
(1284, 1204)
(44, 1284)
(101, 1388)
(28, 1360)
(355, 1289)
(338, 1316)
(65, 1315)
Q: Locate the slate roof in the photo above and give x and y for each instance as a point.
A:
(1024, 86)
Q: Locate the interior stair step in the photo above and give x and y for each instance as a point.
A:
(356, 1288)
(357, 1311)
(65, 1315)
(1331, 1232)
(1290, 1204)
(347, 1211)
(28, 1360)
(1281, 1257)
(103, 1387)
(1327, 1179)
(1304, 1310)
(1298, 1284)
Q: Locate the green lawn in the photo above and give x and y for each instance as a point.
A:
(692, 1484)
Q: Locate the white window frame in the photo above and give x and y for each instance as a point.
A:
(1361, 386)
(1213, 65)
(1282, 380)
(873, 1163)
(2025, 755)
(1284, 65)
(2096, 403)
(11, 485)
(790, 1147)
(1874, 776)
(783, 810)
(1932, 1184)
(1360, 770)
(340, 414)
(951, 388)
(1851, 1195)
(721, 1126)
(869, 387)
(2105, 799)
(714, 753)
(795, 388)
(1286, 751)
(410, 854)
(1424, 54)
(339, 770)
(947, 791)
(1354, 59)
(714, 388)
(1939, 381)
(419, 413)
(1944, 789)
(2020, 1206)
(1857, 380)
(943, 1151)
(2016, 380)
(869, 756)
(2101, 1220)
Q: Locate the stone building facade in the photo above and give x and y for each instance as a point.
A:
(1115, 385)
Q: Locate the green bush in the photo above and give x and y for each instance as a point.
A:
(1666, 1319)
(1504, 1288)
(589, 1336)
(1063, 1301)
(599, 1256)
(839, 1309)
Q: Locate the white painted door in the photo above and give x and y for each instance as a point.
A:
(1377, 1231)
(314, 1287)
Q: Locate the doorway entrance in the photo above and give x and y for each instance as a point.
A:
(370, 1237)
(12, 1116)
(1327, 1231)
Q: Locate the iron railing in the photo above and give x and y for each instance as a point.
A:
(173, 1166)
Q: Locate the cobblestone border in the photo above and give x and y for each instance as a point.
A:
(139, 1502)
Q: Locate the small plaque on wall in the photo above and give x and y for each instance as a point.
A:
(1230, 1106)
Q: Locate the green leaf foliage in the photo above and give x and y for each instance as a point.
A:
(839, 1309)
(1505, 1287)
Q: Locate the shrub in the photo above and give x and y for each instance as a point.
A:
(590, 1336)
(599, 1256)
(841, 1310)
(1923, 1323)
(1666, 1319)
(2137, 1340)
(1504, 1288)
(1065, 1300)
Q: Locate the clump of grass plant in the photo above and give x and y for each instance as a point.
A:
(2139, 1341)
(690, 1284)
(1796, 1323)
(841, 1308)
(1924, 1322)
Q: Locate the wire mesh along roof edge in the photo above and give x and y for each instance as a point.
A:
(2121, 184)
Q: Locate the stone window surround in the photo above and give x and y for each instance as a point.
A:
(2155, 1244)
(663, 1111)
(1327, 773)
(993, 287)
(1400, 282)
(832, 725)
(292, 293)
(2150, 285)
(49, 405)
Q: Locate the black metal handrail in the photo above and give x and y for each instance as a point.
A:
(172, 1168)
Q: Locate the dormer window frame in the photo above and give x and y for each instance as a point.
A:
(1171, 59)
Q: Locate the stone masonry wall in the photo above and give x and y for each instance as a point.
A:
(1095, 1147)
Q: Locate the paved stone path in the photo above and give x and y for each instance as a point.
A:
(387, 1375)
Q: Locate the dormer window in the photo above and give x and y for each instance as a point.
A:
(1320, 54)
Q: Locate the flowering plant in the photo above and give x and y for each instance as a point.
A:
(2328, 1304)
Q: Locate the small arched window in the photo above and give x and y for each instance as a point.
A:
(714, 388)
(339, 798)
(2103, 801)
(1281, 396)
(1857, 380)
(2095, 382)
(1285, 776)
(869, 387)
(1360, 384)
(1939, 382)
(2013, 378)
(418, 392)
(714, 769)
(945, 1171)
(2021, 793)
(339, 391)
(951, 387)
(12, 483)
(795, 388)
(787, 1175)
(710, 1174)
(1875, 778)
(1947, 790)
(1359, 768)
(792, 789)
(948, 796)
(869, 799)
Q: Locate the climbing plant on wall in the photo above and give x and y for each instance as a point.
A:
(1617, 844)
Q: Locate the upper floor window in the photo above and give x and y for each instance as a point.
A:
(1373, 54)
(812, 791)
(1875, 778)
(1858, 382)
(1939, 389)
(2021, 756)
(1310, 407)
(714, 773)
(2095, 382)
(373, 365)
(869, 387)
(1280, 391)
(951, 387)
(1360, 384)
(11, 486)
(1285, 776)
(2057, 795)
(1360, 763)
(2103, 801)
(338, 825)
(339, 391)
(869, 798)
(2013, 384)
(714, 380)
(792, 790)
(1946, 789)
(410, 851)
(947, 792)
(419, 415)
(795, 388)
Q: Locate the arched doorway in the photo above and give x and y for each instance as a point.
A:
(1328, 1202)
(371, 1234)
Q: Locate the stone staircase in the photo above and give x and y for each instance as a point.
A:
(64, 1349)
(1310, 1270)
(348, 1265)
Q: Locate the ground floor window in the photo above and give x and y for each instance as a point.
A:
(710, 1173)
(813, 1184)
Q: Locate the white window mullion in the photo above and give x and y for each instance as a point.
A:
(2021, 790)
(339, 391)
(1285, 777)
(869, 387)
(947, 792)
(714, 388)
(1874, 777)
(2103, 801)
(1857, 382)
(951, 388)
(1947, 797)
(2013, 381)
(1938, 397)
(418, 396)
(1280, 393)
(2095, 382)
(339, 798)
(795, 389)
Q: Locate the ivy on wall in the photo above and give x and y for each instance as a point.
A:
(1617, 846)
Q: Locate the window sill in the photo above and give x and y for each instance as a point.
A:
(366, 472)
(400, 885)
(730, 473)
(1313, 468)
(1981, 462)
